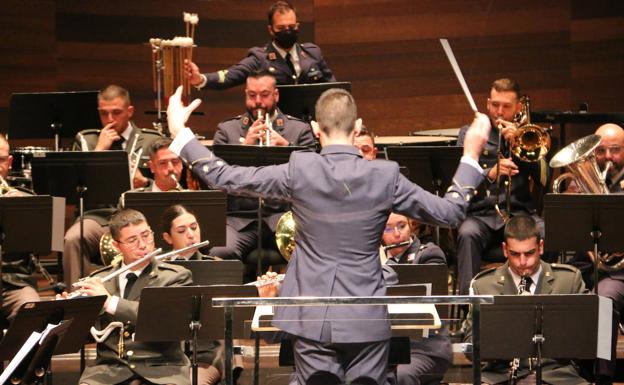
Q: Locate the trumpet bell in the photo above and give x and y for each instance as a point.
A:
(285, 235)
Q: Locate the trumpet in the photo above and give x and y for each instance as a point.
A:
(265, 138)
(153, 255)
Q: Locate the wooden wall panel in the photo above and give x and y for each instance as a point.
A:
(562, 52)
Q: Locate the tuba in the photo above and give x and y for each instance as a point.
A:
(532, 142)
(580, 160)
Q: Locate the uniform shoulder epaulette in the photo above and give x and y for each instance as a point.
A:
(103, 269)
(152, 131)
(484, 273)
(290, 117)
(563, 266)
(237, 117)
(309, 45)
(90, 131)
(171, 267)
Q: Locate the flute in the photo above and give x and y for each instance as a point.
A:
(395, 245)
(264, 282)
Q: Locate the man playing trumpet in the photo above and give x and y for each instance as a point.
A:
(119, 358)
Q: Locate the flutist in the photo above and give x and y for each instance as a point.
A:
(119, 358)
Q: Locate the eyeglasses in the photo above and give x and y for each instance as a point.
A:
(135, 241)
(614, 150)
(398, 227)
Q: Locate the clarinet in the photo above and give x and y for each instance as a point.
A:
(514, 365)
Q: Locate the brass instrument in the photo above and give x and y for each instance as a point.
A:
(531, 142)
(109, 253)
(5, 188)
(580, 160)
(285, 235)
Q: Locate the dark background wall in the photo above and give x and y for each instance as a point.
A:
(561, 52)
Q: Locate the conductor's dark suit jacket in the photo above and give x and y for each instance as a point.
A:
(340, 204)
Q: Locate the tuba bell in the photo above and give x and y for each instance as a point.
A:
(532, 142)
(580, 160)
(285, 235)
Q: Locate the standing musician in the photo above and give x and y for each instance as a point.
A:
(120, 360)
(430, 357)
(167, 170)
(525, 273)
(261, 97)
(16, 285)
(610, 284)
(118, 132)
(483, 228)
(289, 61)
(340, 203)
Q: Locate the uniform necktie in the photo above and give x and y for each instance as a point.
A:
(118, 144)
(291, 66)
(130, 280)
(525, 285)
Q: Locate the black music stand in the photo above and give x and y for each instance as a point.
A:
(35, 316)
(194, 319)
(430, 167)
(58, 114)
(299, 100)
(436, 275)
(214, 272)
(255, 156)
(542, 326)
(209, 206)
(591, 222)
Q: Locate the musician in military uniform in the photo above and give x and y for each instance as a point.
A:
(118, 131)
(289, 61)
(261, 96)
(525, 272)
(483, 228)
(16, 285)
(120, 359)
(365, 143)
(430, 357)
(167, 170)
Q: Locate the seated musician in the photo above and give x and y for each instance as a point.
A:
(365, 142)
(167, 170)
(430, 357)
(261, 97)
(525, 273)
(610, 283)
(120, 360)
(181, 229)
(16, 285)
(118, 131)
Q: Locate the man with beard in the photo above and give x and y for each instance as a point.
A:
(261, 97)
(289, 61)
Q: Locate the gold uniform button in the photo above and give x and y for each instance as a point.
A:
(132, 366)
(126, 334)
(205, 168)
(486, 152)
(130, 353)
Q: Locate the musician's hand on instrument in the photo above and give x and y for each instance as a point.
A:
(177, 113)
(271, 289)
(138, 180)
(108, 135)
(254, 132)
(277, 139)
(508, 129)
(63, 295)
(477, 136)
(191, 71)
(92, 287)
(507, 167)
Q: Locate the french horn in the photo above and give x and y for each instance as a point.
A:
(285, 235)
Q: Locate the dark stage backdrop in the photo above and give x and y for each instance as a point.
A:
(561, 52)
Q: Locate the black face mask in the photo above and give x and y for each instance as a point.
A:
(286, 38)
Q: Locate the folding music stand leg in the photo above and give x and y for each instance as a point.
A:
(227, 316)
(476, 343)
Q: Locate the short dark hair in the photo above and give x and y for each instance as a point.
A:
(506, 85)
(113, 91)
(521, 227)
(170, 214)
(336, 111)
(365, 131)
(124, 218)
(281, 6)
(261, 73)
(159, 145)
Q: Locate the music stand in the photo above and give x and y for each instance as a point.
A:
(436, 275)
(299, 100)
(209, 207)
(58, 114)
(214, 272)
(542, 325)
(591, 222)
(255, 156)
(430, 167)
(194, 319)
